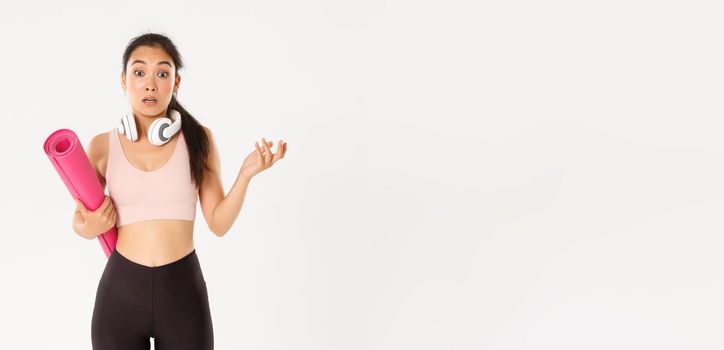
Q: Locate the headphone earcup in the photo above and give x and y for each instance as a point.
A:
(155, 131)
(127, 126)
(157, 128)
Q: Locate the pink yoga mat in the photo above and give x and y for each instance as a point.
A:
(70, 160)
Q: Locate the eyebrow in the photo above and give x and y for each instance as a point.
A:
(159, 63)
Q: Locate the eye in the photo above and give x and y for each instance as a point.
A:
(136, 71)
(164, 74)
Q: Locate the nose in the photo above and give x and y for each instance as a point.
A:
(149, 88)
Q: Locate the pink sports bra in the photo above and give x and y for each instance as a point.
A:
(139, 195)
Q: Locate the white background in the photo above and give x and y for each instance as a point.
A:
(460, 175)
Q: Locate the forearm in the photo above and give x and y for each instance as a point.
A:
(228, 208)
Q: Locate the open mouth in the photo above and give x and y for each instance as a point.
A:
(150, 101)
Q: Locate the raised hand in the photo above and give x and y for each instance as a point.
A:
(262, 158)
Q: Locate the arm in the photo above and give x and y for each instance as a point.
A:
(220, 211)
(226, 212)
(95, 150)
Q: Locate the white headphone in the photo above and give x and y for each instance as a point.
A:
(159, 132)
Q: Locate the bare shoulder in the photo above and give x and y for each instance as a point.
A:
(208, 132)
(98, 154)
(213, 158)
(98, 146)
(212, 140)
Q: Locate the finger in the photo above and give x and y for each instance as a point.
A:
(109, 223)
(281, 149)
(104, 205)
(280, 152)
(258, 150)
(267, 158)
(108, 209)
(263, 144)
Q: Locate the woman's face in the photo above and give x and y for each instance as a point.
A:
(149, 74)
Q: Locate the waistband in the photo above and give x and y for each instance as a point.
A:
(153, 287)
(184, 260)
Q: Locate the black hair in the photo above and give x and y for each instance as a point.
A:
(196, 139)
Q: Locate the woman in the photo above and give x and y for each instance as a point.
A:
(152, 284)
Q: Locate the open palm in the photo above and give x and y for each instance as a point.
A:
(262, 158)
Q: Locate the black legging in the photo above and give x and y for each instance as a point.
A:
(135, 302)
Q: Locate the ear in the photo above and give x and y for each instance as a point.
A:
(177, 83)
(123, 80)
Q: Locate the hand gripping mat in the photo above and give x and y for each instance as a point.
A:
(67, 155)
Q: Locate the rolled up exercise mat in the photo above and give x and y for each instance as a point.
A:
(67, 155)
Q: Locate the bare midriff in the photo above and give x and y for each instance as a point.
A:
(155, 242)
(150, 242)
